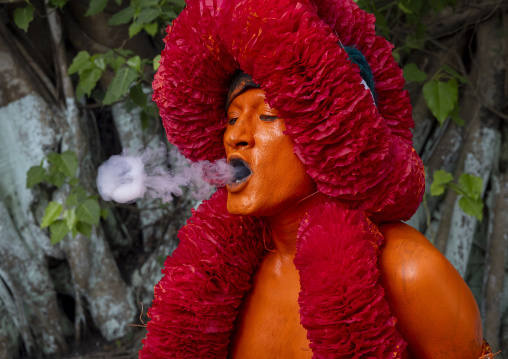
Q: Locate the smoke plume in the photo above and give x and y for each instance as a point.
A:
(159, 174)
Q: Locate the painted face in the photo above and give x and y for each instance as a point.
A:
(270, 177)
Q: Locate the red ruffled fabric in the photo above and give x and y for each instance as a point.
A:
(357, 153)
(342, 304)
(197, 299)
(354, 150)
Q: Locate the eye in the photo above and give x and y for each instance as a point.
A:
(232, 121)
(267, 118)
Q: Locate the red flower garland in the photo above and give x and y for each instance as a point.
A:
(197, 299)
(342, 304)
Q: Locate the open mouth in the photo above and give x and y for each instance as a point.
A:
(241, 170)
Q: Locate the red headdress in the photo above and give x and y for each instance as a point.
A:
(358, 154)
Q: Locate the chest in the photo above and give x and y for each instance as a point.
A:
(268, 323)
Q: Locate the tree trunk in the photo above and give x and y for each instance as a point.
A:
(482, 142)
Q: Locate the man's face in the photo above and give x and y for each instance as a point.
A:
(270, 177)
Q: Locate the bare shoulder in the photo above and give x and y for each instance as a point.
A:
(435, 310)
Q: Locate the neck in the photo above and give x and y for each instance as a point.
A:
(283, 226)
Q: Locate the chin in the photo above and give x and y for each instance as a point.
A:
(255, 207)
(238, 205)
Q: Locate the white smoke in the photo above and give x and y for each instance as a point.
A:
(159, 174)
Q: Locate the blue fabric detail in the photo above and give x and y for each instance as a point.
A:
(357, 57)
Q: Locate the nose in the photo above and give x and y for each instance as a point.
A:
(240, 134)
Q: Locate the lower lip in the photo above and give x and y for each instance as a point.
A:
(236, 187)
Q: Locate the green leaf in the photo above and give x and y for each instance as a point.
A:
(129, 104)
(455, 115)
(410, 6)
(153, 110)
(125, 52)
(413, 74)
(149, 3)
(74, 181)
(71, 200)
(457, 189)
(123, 16)
(436, 189)
(441, 97)
(87, 82)
(99, 61)
(117, 64)
(179, 2)
(161, 259)
(84, 228)
(120, 84)
(65, 163)
(472, 185)
(56, 178)
(96, 6)
(147, 15)
(168, 14)
(441, 179)
(473, 207)
(104, 213)
(144, 62)
(119, 2)
(134, 62)
(51, 214)
(59, 3)
(69, 215)
(58, 231)
(151, 29)
(35, 175)
(156, 61)
(69, 163)
(416, 40)
(80, 63)
(138, 96)
(24, 16)
(53, 158)
(134, 29)
(145, 120)
(397, 54)
(455, 74)
(89, 211)
(381, 23)
(97, 95)
(80, 193)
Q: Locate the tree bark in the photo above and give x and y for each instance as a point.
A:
(36, 310)
(467, 15)
(482, 141)
(496, 262)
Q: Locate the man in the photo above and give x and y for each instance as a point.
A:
(284, 262)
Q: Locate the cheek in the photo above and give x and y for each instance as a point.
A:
(287, 160)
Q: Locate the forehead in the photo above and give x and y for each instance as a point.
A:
(253, 97)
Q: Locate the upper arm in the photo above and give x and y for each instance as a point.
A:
(436, 312)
